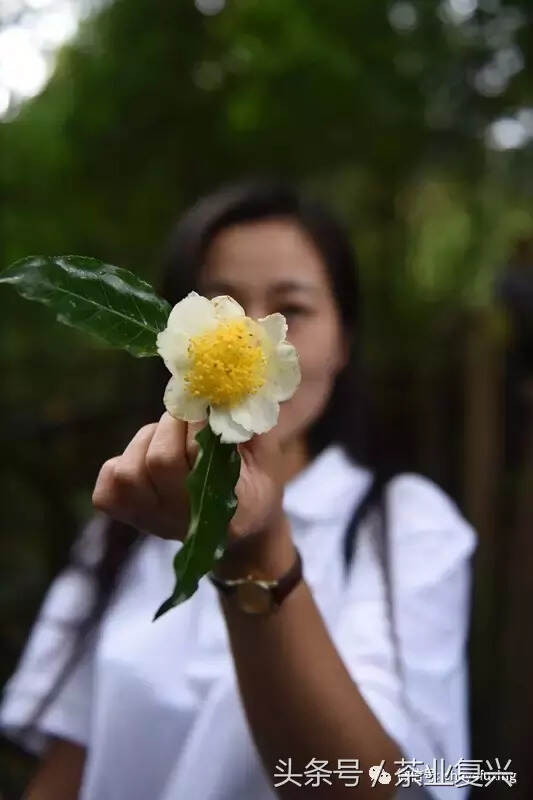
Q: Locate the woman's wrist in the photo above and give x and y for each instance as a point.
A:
(268, 553)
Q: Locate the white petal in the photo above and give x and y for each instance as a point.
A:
(283, 374)
(275, 326)
(192, 315)
(226, 307)
(222, 423)
(258, 412)
(180, 404)
(172, 347)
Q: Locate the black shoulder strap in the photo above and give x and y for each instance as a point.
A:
(369, 499)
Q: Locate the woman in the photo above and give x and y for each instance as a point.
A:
(210, 701)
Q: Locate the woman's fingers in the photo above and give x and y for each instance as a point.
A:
(145, 486)
(130, 470)
(122, 488)
(102, 497)
(166, 460)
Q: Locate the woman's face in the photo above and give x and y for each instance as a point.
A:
(270, 266)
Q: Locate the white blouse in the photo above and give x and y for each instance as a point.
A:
(157, 704)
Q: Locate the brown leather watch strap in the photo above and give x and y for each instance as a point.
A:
(279, 589)
(287, 582)
(220, 584)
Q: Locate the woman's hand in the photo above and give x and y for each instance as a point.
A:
(145, 486)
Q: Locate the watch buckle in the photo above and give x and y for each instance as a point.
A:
(254, 596)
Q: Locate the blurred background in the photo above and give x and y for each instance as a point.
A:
(415, 121)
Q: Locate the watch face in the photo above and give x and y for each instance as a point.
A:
(253, 598)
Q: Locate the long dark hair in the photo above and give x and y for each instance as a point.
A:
(344, 420)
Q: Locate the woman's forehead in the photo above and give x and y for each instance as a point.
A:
(241, 284)
(271, 254)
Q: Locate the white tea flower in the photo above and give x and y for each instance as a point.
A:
(224, 362)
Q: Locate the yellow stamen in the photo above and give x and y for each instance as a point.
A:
(226, 364)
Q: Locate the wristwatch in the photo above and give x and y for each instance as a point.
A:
(257, 595)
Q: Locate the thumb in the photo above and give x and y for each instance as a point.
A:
(191, 445)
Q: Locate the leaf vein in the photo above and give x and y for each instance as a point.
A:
(101, 307)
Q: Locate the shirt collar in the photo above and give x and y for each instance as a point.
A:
(326, 485)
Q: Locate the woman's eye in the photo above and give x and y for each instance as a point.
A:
(291, 310)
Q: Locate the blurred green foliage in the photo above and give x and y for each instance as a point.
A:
(155, 103)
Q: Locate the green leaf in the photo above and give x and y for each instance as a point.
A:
(108, 302)
(213, 502)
